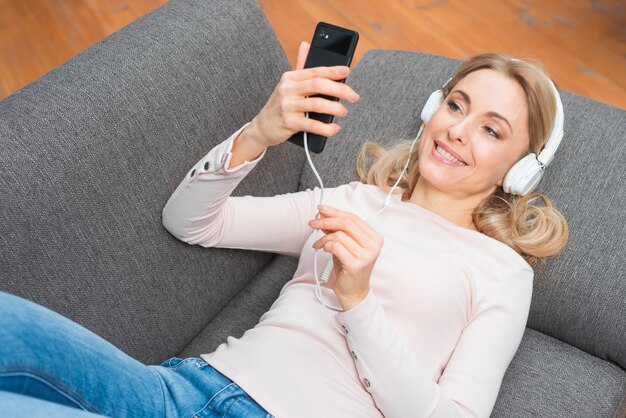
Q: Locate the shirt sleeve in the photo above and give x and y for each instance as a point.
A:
(202, 212)
(472, 378)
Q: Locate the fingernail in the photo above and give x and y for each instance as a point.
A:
(343, 70)
(356, 97)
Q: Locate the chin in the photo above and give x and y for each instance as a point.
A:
(447, 183)
(436, 178)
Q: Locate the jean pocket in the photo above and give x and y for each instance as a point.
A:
(175, 362)
(171, 362)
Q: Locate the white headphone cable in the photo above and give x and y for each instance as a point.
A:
(329, 266)
(317, 282)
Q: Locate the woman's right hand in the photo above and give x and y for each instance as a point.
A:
(284, 113)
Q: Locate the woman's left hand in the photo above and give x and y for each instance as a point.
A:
(355, 247)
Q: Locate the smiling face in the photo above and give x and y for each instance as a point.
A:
(476, 135)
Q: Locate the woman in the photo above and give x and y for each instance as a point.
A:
(433, 294)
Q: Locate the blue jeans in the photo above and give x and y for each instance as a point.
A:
(51, 366)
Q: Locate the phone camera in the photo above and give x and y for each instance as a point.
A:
(323, 35)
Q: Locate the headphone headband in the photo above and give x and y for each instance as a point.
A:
(546, 155)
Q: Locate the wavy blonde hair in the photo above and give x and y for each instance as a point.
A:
(534, 230)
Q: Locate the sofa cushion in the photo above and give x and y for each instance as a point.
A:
(579, 295)
(549, 378)
(92, 151)
(246, 308)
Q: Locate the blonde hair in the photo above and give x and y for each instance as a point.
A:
(535, 231)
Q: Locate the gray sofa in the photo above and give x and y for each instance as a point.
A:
(91, 151)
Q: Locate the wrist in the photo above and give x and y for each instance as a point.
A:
(245, 148)
(253, 134)
(248, 137)
(350, 301)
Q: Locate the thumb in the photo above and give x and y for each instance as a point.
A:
(303, 51)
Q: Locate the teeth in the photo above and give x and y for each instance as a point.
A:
(448, 156)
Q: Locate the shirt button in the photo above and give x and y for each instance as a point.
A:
(366, 382)
(344, 328)
(353, 355)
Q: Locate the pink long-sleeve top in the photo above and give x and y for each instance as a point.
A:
(444, 316)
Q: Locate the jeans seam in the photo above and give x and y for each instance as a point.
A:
(163, 386)
(52, 383)
(232, 403)
(244, 399)
(212, 397)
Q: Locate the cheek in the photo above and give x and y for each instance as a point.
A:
(421, 143)
(493, 163)
(423, 149)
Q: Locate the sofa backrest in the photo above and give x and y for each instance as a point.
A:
(579, 296)
(92, 151)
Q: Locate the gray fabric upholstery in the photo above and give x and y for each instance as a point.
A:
(244, 311)
(92, 151)
(581, 294)
(549, 378)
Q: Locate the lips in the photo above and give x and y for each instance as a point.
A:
(450, 152)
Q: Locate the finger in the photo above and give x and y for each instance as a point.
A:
(304, 124)
(338, 250)
(303, 51)
(347, 225)
(323, 86)
(318, 216)
(334, 213)
(318, 105)
(341, 237)
(335, 72)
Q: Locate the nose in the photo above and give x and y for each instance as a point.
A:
(459, 130)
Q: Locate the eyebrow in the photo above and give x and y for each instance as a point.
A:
(490, 113)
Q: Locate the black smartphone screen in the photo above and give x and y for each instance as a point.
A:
(331, 45)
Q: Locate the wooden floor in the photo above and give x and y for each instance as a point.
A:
(581, 43)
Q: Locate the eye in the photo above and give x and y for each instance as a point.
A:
(453, 106)
(492, 132)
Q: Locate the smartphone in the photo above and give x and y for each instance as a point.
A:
(331, 45)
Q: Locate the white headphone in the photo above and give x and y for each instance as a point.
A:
(525, 174)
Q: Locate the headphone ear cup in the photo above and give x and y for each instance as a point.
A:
(432, 104)
(524, 176)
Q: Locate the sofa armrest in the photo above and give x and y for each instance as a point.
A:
(92, 151)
